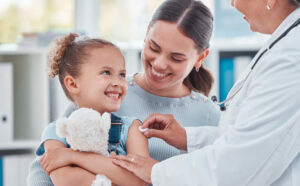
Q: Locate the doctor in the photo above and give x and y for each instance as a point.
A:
(258, 139)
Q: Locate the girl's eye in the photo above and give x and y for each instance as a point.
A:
(154, 50)
(123, 75)
(105, 72)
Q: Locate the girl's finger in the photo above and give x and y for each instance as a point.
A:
(42, 159)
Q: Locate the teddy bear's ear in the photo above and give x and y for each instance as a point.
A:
(61, 127)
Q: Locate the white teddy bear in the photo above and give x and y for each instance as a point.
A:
(86, 130)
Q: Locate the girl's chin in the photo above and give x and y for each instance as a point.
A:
(111, 109)
(114, 109)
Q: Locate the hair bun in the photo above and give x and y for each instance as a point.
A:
(56, 52)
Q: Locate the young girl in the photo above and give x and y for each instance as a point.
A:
(92, 75)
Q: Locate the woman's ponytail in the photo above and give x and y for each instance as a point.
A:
(200, 81)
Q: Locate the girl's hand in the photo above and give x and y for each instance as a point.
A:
(55, 158)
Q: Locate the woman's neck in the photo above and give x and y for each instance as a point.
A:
(279, 15)
(171, 92)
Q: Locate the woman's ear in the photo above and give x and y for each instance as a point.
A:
(201, 58)
(71, 84)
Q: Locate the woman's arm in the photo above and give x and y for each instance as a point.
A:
(66, 175)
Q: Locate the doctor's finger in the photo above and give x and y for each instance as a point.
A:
(125, 164)
(128, 157)
(155, 133)
(154, 119)
(121, 157)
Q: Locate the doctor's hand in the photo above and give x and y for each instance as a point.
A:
(166, 127)
(139, 165)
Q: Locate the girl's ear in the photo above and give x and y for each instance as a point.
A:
(201, 58)
(71, 84)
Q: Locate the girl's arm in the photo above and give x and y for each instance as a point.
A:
(136, 142)
(71, 176)
(98, 164)
(66, 175)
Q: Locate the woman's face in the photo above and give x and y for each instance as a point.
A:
(255, 13)
(168, 56)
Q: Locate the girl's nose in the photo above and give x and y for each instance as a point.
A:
(118, 81)
(115, 81)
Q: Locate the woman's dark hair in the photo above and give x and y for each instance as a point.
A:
(66, 55)
(295, 2)
(195, 20)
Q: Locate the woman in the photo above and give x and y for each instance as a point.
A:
(258, 139)
(175, 80)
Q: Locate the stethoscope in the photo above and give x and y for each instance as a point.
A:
(240, 85)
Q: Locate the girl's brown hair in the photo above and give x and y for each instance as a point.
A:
(66, 55)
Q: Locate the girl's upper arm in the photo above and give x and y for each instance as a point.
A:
(49, 134)
(136, 142)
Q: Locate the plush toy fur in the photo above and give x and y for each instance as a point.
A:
(86, 130)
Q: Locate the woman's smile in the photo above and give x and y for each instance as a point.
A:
(155, 75)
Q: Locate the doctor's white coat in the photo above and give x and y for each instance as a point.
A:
(258, 139)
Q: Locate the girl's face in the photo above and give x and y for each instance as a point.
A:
(255, 13)
(168, 56)
(101, 83)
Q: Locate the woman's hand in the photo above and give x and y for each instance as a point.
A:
(55, 158)
(166, 127)
(139, 165)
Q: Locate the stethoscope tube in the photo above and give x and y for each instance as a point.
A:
(222, 104)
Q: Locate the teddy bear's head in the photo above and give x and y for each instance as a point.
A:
(85, 130)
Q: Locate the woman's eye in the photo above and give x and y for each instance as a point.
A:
(154, 50)
(105, 72)
(176, 59)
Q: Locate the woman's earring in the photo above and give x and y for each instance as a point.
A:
(197, 69)
(268, 7)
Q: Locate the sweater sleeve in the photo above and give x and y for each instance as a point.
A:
(37, 176)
